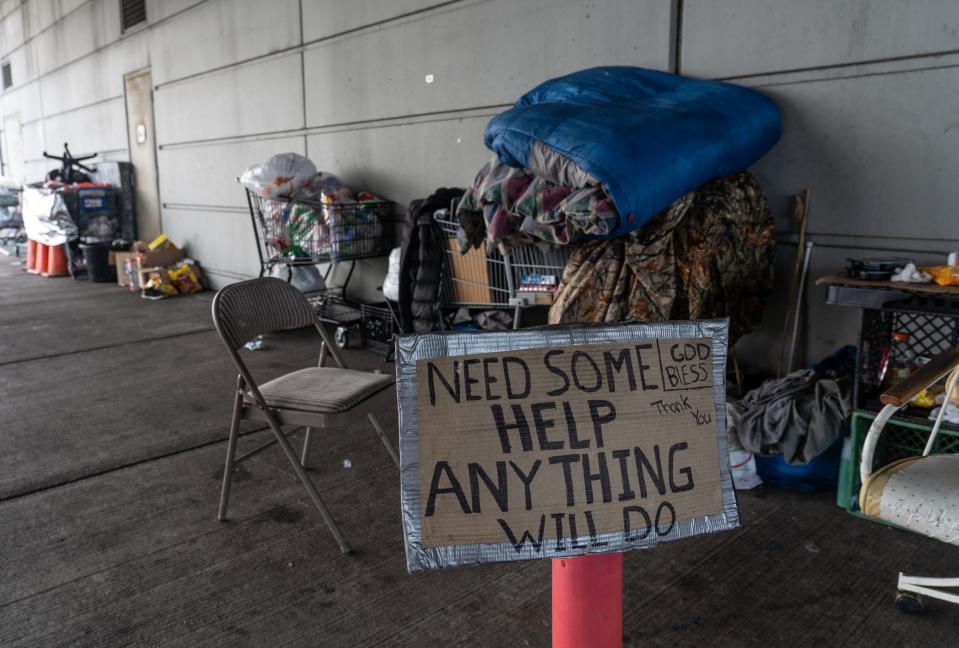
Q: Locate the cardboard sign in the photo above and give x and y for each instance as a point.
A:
(563, 450)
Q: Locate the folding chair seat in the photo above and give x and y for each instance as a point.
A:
(314, 397)
(322, 389)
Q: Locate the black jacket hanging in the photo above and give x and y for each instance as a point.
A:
(421, 262)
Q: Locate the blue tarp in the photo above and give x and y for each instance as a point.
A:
(649, 137)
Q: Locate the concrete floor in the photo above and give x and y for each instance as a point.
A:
(113, 417)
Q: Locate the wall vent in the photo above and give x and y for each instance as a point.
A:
(132, 12)
(7, 76)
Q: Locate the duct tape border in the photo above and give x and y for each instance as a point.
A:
(411, 348)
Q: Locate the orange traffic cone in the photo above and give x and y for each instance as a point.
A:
(41, 263)
(31, 263)
(56, 261)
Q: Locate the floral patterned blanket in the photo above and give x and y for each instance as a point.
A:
(507, 206)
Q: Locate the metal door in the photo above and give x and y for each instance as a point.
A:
(139, 98)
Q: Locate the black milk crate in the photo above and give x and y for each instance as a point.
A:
(97, 211)
(122, 177)
(378, 326)
(932, 325)
(332, 309)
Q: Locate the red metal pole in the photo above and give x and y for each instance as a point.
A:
(588, 601)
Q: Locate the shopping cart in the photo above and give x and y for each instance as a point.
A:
(12, 235)
(486, 279)
(292, 233)
(304, 232)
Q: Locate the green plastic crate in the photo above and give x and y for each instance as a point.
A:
(901, 438)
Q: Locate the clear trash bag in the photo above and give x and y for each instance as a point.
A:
(391, 285)
(321, 187)
(279, 177)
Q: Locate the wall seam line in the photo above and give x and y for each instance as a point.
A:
(200, 207)
(304, 45)
(306, 139)
(70, 110)
(27, 41)
(364, 124)
(677, 59)
(835, 66)
(106, 46)
(863, 75)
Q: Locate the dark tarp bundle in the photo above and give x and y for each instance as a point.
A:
(421, 262)
(710, 254)
(799, 415)
(647, 137)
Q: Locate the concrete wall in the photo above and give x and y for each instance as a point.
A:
(868, 88)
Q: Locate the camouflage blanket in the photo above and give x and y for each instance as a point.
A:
(709, 254)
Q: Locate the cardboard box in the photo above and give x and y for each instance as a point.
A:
(536, 297)
(470, 275)
(149, 258)
(144, 272)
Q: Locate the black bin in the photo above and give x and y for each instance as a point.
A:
(97, 257)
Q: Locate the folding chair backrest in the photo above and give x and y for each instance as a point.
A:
(244, 310)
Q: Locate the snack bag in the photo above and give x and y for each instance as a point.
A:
(185, 279)
(944, 275)
(157, 287)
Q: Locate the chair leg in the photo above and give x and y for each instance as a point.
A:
(306, 446)
(230, 455)
(322, 354)
(384, 439)
(931, 587)
(308, 484)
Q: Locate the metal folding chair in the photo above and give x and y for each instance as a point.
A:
(315, 397)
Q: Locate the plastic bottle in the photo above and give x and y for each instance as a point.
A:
(902, 359)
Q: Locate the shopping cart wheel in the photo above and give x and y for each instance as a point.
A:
(342, 337)
(909, 602)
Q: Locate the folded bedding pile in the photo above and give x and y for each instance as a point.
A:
(599, 153)
(508, 206)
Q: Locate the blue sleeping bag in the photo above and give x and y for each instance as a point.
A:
(648, 137)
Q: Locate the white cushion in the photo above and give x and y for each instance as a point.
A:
(325, 390)
(919, 493)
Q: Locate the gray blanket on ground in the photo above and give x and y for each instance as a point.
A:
(799, 415)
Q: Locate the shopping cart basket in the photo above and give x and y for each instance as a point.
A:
(304, 232)
(485, 278)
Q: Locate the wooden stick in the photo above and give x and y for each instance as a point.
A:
(800, 211)
(925, 376)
